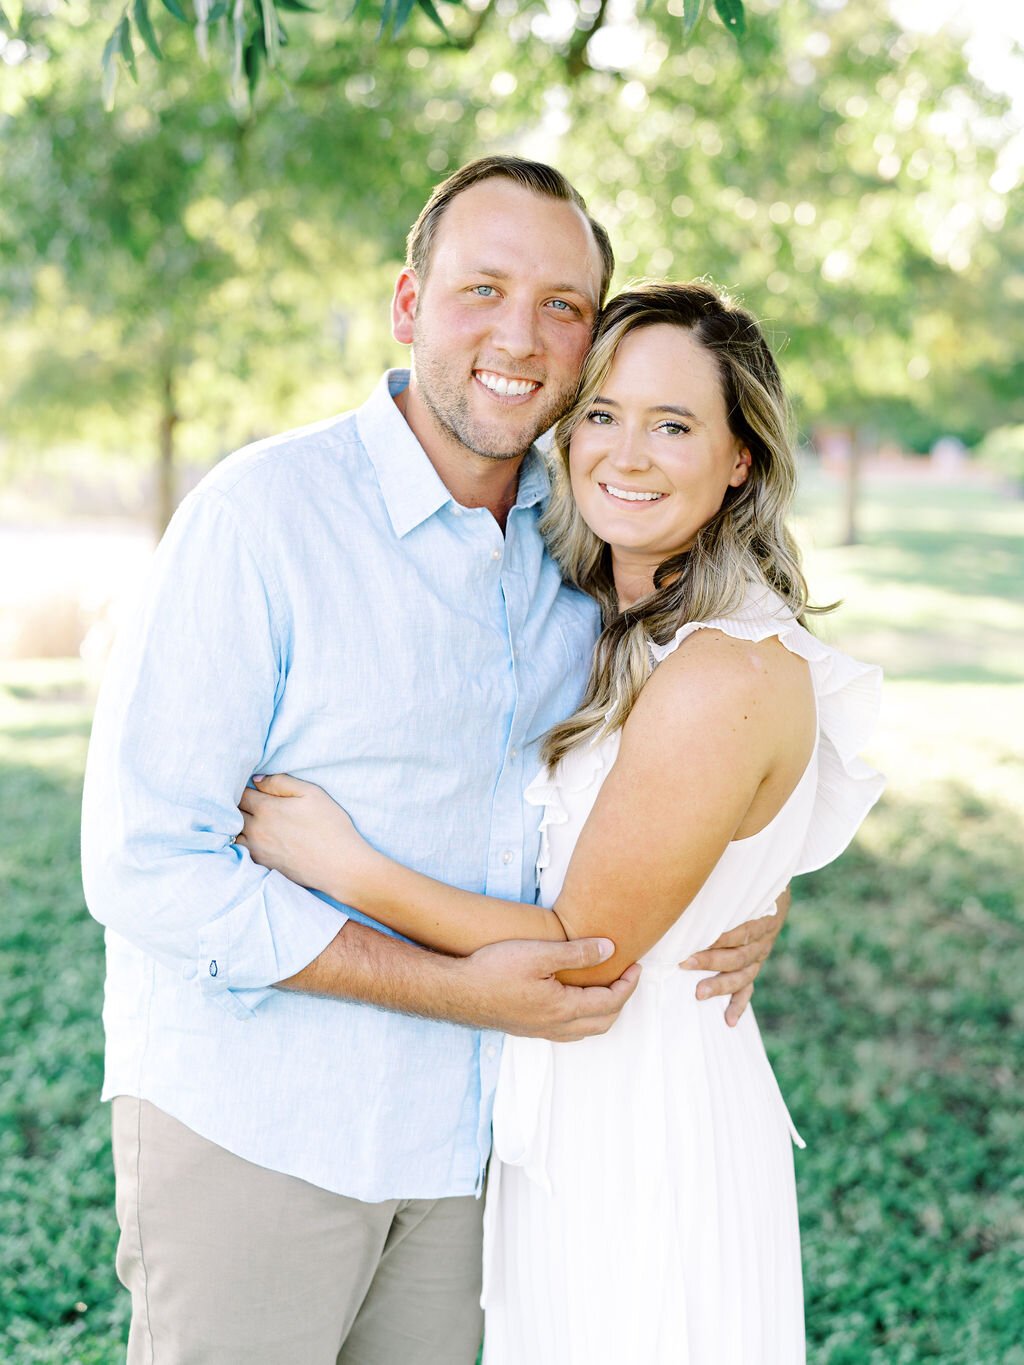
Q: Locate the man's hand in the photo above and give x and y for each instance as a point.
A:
(512, 987)
(737, 957)
(509, 986)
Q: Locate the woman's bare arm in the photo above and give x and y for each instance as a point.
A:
(718, 738)
(297, 829)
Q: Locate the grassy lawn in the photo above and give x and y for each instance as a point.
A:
(893, 1009)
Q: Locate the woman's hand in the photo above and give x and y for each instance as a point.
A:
(295, 828)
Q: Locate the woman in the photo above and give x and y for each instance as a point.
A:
(641, 1206)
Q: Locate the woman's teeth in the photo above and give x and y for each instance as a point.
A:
(628, 496)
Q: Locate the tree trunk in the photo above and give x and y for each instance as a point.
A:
(166, 492)
(851, 498)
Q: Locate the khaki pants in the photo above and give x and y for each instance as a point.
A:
(231, 1264)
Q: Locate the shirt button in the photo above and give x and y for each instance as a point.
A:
(495, 554)
(507, 856)
(492, 1052)
(456, 511)
(513, 753)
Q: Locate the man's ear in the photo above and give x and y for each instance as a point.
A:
(403, 306)
(741, 468)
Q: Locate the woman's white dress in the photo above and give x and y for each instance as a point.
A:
(641, 1207)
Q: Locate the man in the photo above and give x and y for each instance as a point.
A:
(302, 1102)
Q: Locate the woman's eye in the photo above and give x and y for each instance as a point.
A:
(674, 428)
(599, 418)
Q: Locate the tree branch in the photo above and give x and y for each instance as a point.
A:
(576, 60)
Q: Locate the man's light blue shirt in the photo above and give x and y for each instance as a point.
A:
(321, 606)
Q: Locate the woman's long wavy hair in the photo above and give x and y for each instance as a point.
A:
(747, 539)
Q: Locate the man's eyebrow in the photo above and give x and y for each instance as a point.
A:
(576, 289)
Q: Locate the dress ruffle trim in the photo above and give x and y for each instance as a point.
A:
(848, 695)
(578, 771)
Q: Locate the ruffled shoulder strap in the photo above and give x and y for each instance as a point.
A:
(583, 768)
(848, 695)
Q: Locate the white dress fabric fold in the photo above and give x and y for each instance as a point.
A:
(641, 1206)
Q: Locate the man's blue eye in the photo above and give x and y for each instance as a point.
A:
(484, 290)
(561, 305)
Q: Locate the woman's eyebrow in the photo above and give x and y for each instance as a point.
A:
(678, 412)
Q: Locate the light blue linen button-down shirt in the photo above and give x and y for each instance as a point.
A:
(321, 606)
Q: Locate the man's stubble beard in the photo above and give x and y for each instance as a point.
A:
(450, 410)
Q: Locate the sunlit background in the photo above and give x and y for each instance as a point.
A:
(191, 271)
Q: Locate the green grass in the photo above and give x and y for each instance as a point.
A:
(893, 1009)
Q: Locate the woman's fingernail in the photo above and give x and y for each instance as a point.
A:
(605, 947)
(702, 991)
(690, 963)
(259, 777)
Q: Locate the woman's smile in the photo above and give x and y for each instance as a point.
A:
(637, 496)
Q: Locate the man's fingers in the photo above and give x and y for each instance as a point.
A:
(726, 983)
(738, 1003)
(744, 934)
(578, 952)
(249, 801)
(727, 959)
(624, 987)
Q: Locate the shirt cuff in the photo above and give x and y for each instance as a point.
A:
(266, 938)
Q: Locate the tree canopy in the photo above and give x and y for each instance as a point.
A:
(181, 273)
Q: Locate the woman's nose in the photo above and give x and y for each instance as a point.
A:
(629, 451)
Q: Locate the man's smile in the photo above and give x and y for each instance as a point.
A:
(504, 387)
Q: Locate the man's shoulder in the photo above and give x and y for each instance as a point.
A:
(291, 460)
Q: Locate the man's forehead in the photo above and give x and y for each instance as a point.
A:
(499, 228)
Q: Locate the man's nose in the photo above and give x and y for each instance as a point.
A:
(515, 330)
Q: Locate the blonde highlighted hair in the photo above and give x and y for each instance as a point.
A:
(747, 539)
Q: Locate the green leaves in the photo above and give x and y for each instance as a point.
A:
(10, 16)
(140, 13)
(108, 64)
(692, 11)
(731, 14)
(256, 34)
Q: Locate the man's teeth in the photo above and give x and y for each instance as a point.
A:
(632, 497)
(497, 383)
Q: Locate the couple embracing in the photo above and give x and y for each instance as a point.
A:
(426, 757)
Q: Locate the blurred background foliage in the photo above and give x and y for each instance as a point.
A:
(185, 272)
(210, 260)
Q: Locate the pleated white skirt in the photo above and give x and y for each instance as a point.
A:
(641, 1207)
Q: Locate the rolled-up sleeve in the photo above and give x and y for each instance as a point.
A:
(182, 723)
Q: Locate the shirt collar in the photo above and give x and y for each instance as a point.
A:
(411, 486)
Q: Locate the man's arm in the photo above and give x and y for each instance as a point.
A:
(510, 986)
(182, 723)
(183, 716)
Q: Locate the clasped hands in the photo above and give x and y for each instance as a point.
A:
(295, 828)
